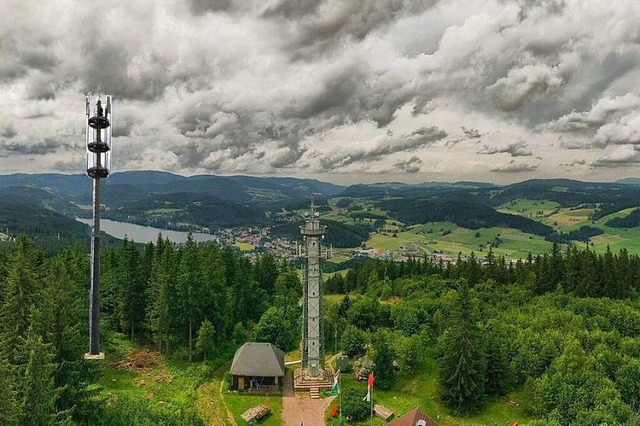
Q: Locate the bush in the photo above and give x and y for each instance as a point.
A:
(353, 407)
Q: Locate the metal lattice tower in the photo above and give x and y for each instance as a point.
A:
(311, 252)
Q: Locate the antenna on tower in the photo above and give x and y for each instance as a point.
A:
(98, 134)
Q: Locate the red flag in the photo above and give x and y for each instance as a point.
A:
(370, 380)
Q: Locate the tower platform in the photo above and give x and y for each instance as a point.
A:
(303, 382)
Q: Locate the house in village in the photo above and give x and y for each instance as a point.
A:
(414, 417)
(256, 365)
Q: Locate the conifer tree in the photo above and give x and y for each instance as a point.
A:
(190, 285)
(462, 361)
(204, 344)
(9, 413)
(21, 293)
(160, 286)
(38, 390)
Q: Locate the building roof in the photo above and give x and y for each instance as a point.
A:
(258, 359)
(414, 417)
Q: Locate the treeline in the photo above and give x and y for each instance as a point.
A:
(168, 293)
(632, 220)
(169, 210)
(468, 214)
(191, 302)
(339, 235)
(43, 312)
(584, 234)
(494, 327)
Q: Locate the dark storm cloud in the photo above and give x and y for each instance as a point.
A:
(471, 133)
(230, 84)
(203, 6)
(515, 167)
(106, 71)
(292, 9)
(417, 139)
(346, 19)
(412, 165)
(574, 163)
(8, 132)
(515, 149)
(44, 147)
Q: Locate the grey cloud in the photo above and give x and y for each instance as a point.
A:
(411, 165)
(386, 146)
(292, 9)
(515, 167)
(574, 163)
(622, 156)
(350, 19)
(44, 147)
(203, 6)
(515, 149)
(8, 132)
(471, 133)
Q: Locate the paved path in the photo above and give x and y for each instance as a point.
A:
(296, 409)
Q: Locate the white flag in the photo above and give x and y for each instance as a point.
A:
(367, 396)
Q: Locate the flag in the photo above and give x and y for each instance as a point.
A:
(369, 388)
(335, 389)
(367, 397)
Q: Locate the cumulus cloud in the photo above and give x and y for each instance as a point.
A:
(381, 147)
(515, 149)
(515, 167)
(622, 156)
(231, 86)
(412, 165)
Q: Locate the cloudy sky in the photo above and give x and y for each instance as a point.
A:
(340, 90)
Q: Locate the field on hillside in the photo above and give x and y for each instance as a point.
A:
(449, 239)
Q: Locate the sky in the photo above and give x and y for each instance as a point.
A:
(339, 90)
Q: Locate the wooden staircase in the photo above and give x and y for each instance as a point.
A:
(314, 393)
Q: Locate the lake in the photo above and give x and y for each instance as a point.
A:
(144, 234)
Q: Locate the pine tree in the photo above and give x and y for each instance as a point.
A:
(204, 344)
(9, 413)
(160, 286)
(38, 391)
(64, 322)
(190, 288)
(462, 363)
(21, 293)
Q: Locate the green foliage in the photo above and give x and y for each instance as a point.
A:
(204, 344)
(352, 341)
(353, 407)
(383, 356)
(128, 411)
(38, 392)
(463, 362)
(274, 328)
(9, 412)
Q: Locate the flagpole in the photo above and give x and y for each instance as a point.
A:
(371, 418)
(340, 392)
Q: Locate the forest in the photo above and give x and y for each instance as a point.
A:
(563, 328)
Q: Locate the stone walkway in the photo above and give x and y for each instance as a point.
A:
(297, 409)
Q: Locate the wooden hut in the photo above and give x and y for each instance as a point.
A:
(256, 365)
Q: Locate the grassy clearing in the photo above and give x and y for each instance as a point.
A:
(129, 371)
(244, 246)
(421, 390)
(529, 208)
